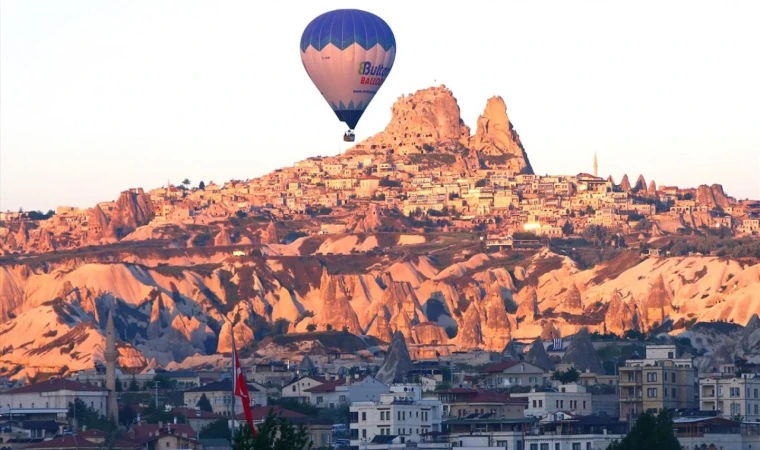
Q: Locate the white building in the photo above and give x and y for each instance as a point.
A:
(52, 397)
(571, 398)
(401, 416)
(299, 388)
(731, 396)
(347, 391)
(219, 394)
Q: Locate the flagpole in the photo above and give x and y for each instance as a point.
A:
(234, 380)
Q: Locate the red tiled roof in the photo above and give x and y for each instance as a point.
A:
(328, 386)
(56, 384)
(500, 367)
(260, 412)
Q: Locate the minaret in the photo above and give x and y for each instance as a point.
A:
(596, 166)
(111, 355)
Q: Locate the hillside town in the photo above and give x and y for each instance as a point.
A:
(528, 397)
(440, 176)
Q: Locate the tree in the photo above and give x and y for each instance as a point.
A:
(219, 429)
(202, 185)
(280, 326)
(127, 414)
(186, 182)
(133, 385)
(118, 385)
(311, 328)
(204, 404)
(275, 433)
(328, 327)
(89, 417)
(569, 376)
(649, 433)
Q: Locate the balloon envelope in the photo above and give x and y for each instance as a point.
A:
(348, 53)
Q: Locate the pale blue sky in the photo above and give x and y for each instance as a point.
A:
(97, 97)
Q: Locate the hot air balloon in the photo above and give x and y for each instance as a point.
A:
(348, 54)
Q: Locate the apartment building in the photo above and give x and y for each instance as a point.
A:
(660, 381)
(733, 397)
(571, 398)
(401, 415)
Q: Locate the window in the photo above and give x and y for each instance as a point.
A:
(545, 446)
(584, 404)
(294, 388)
(651, 377)
(540, 403)
(665, 393)
(320, 399)
(534, 403)
(556, 446)
(652, 392)
(588, 445)
(364, 416)
(671, 355)
(674, 392)
(735, 392)
(533, 446)
(756, 409)
(342, 399)
(364, 433)
(735, 409)
(576, 446)
(756, 393)
(673, 377)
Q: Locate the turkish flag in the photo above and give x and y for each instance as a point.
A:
(240, 387)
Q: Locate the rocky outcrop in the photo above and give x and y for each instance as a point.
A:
(620, 316)
(538, 357)
(497, 325)
(749, 341)
(269, 234)
(307, 365)
(397, 362)
(713, 196)
(652, 190)
(527, 300)
(641, 184)
(470, 336)
(573, 302)
(132, 209)
(429, 333)
(222, 238)
(496, 136)
(368, 222)
(429, 116)
(335, 292)
(658, 304)
(582, 355)
(380, 328)
(625, 185)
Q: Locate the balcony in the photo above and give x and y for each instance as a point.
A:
(632, 398)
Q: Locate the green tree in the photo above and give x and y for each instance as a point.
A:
(118, 385)
(569, 376)
(649, 433)
(204, 404)
(311, 328)
(202, 185)
(186, 182)
(329, 327)
(127, 414)
(86, 416)
(219, 429)
(275, 433)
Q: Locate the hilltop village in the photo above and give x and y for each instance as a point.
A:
(425, 166)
